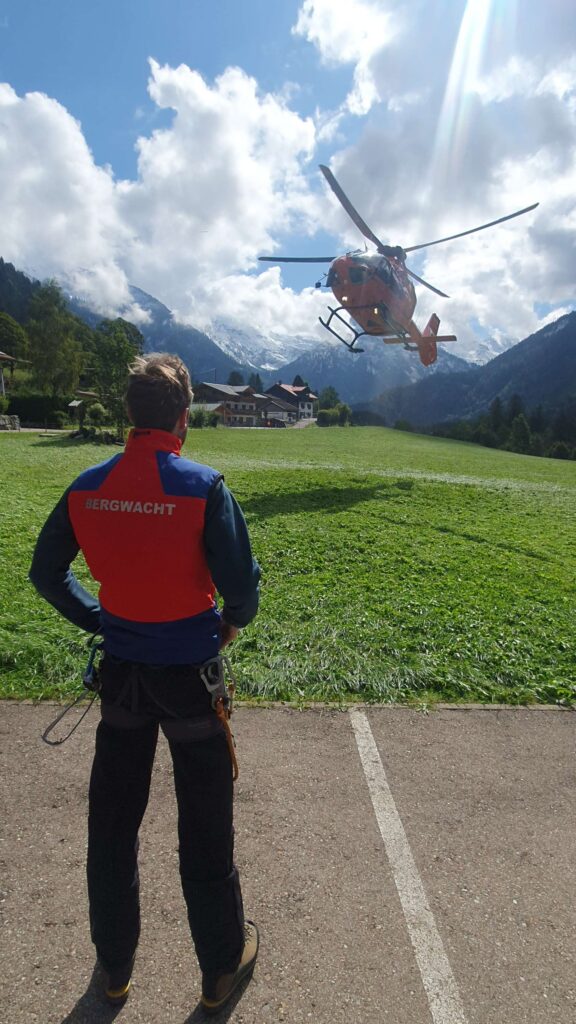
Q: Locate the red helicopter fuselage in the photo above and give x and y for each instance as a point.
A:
(376, 291)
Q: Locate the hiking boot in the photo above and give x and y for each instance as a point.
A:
(117, 983)
(217, 988)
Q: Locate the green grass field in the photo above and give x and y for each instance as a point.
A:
(395, 567)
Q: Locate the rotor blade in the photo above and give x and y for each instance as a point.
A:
(425, 283)
(341, 195)
(296, 259)
(449, 238)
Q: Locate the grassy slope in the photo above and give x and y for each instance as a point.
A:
(394, 566)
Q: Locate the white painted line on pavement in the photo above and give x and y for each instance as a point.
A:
(437, 977)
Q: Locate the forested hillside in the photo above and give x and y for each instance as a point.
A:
(541, 370)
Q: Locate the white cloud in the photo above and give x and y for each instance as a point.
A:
(345, 33)
(457, 127)
(264, 303)
(211, 191)
(58, 209)
(215, 184)
(351, 33)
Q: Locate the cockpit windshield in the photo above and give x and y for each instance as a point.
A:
(357, 274)
(384, 272)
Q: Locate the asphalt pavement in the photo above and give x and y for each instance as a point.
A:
(403, 868)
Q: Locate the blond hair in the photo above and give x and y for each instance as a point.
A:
(158, 391)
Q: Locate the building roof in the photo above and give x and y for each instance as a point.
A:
(6, 358)
(227, 389)
(280, 404)
(297, 392)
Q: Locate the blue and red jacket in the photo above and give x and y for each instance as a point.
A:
(161, 535)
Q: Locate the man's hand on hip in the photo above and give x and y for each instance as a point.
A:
(228, 633)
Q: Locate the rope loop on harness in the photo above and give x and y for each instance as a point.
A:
(60, 716)
(91, 681)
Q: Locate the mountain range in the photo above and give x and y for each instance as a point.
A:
(356, 377)
(385, 380)
(360, 377)
(541, 369)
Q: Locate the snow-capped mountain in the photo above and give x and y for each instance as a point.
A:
(264, 352)
(359, 377)
(485, 349)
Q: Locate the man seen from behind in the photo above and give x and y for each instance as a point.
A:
(161, 535)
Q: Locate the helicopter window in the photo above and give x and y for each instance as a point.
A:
(332, 278)
(384, 272)
(357, 275)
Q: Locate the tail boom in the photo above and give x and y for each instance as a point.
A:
(427, 348)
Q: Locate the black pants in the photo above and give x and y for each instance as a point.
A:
(135, 701)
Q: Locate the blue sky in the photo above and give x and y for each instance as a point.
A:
(168, 145)
(93, 58)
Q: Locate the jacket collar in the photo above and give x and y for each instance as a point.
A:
(140, 439)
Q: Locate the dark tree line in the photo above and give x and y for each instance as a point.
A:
(236, 380)
(331, 411)
(512, 427)
(57, 353)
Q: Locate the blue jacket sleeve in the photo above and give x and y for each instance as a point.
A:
(52, 576)
(235, 573)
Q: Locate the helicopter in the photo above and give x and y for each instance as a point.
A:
(375, 290)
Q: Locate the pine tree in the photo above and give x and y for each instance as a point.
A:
(255, 381)
(13, 337)
(328, 398)
(55, 352)
(497, 415)
(118, 343)
(514, 408)
(520, 439)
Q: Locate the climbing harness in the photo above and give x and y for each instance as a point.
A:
(213, 675)
(91, 682)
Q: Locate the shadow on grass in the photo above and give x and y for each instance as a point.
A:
(424, 525)
(66, 441)
(476, 539)
(328, 499)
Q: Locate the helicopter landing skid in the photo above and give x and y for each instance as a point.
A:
(357, 334)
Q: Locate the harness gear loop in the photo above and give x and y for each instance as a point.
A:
(212, 675)
(91, 681)
(224, 715)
